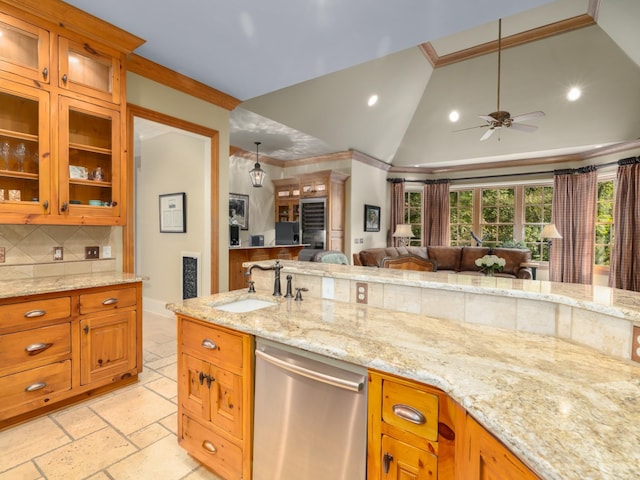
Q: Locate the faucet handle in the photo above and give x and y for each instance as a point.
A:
(251, 287)
(299, 291)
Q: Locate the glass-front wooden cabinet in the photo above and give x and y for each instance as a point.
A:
(24, 149)
(89, 70)
(89, 160)
(24, 50)
(287, 200)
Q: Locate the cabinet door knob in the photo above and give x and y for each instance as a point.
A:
(35, 386)
(209, 446)
(86, 329)
(63, 208)
(45, 73)
(45, 205)
(209, 344)
(386, 461)
(36, 348)
(201, 377)
(64, 78)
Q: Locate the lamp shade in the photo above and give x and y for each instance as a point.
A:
(403, 230)
(550, 231)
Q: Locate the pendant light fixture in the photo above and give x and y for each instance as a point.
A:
(257, 174)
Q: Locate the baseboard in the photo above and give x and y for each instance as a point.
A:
(157, 307)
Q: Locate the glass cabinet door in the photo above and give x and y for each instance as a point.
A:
(24, 150)
(24, 49)
(90, 160)
(89, 70)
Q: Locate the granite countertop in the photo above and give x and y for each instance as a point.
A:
(253, 247)
(34, 286)
(567, 411)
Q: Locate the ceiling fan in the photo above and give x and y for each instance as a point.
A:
(500, 118)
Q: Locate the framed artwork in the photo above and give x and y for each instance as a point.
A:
(239, 210)
(371, 218)
(173, 213)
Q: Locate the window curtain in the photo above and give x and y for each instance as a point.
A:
(435, 213)
(625, 259)
(574, 212)
(397, 209)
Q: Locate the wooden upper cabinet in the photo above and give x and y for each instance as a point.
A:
(90, 160)
(89, 70)
(24, 51)
(287, 199)
(25, 157)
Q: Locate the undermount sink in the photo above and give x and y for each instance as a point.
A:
(244, 305)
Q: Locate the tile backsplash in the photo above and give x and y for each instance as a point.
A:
(29, 250)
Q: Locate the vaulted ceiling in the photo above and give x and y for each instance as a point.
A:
(305, 71)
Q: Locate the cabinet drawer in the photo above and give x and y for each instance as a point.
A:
(107, 300)
(216, 346)
(33, 388)
(219, 454)
(30, 348)
(410, 409)
(22, 314)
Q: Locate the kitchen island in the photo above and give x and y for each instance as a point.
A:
(566, 410)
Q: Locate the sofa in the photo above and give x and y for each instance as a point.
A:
(453, 259)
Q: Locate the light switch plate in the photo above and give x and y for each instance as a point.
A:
(58, 253)
(91, 252)
(106, 251)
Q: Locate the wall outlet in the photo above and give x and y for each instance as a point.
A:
(362, 293)
(635, 344)
(58, 253)
(2, 255)
(91, 252)
(106, 251)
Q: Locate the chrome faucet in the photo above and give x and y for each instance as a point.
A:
(277, 289)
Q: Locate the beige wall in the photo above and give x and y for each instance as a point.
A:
(170, 163)
(154, 96)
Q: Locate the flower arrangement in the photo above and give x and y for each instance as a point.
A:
(490, 264)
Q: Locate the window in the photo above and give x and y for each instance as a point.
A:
(413, 215)
(537, 213)
(604, 223)
(498, 216)
(461, 217)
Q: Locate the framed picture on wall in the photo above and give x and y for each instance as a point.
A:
(239, 210)
(371, 218)
(173, 213)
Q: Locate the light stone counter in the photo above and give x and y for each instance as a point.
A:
(62, 283)
(567, 411)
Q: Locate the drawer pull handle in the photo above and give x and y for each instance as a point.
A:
(110, 301)
(35, 386)
(35, 313)
(409, 414)
(209, 446)
(36, 348)
(209, 344)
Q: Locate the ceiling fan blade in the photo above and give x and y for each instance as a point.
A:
(487, 118)
(524, 128)
(487, 134)
(470, 128)
(527, 116)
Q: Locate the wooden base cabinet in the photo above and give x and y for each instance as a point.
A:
(411, 432)
(59, 348)
(488, 459)
(215, 396)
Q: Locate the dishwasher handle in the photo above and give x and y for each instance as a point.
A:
(312, 374)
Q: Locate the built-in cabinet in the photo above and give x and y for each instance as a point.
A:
(62, 130)
(59, 347)
(327, 184)
(215, 396)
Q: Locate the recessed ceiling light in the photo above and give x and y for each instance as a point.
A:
(574, 94)
(373, 99)
(454, 116)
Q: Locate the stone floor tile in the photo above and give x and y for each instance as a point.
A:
(26, 471)
(164, 386)
(148, 435)
(79, 421)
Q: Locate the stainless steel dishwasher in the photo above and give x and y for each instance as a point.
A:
(310, 418)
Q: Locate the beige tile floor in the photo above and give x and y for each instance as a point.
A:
(127, 434)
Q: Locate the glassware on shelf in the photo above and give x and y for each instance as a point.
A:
(6, 148)
(20, 153)
(98, 175)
